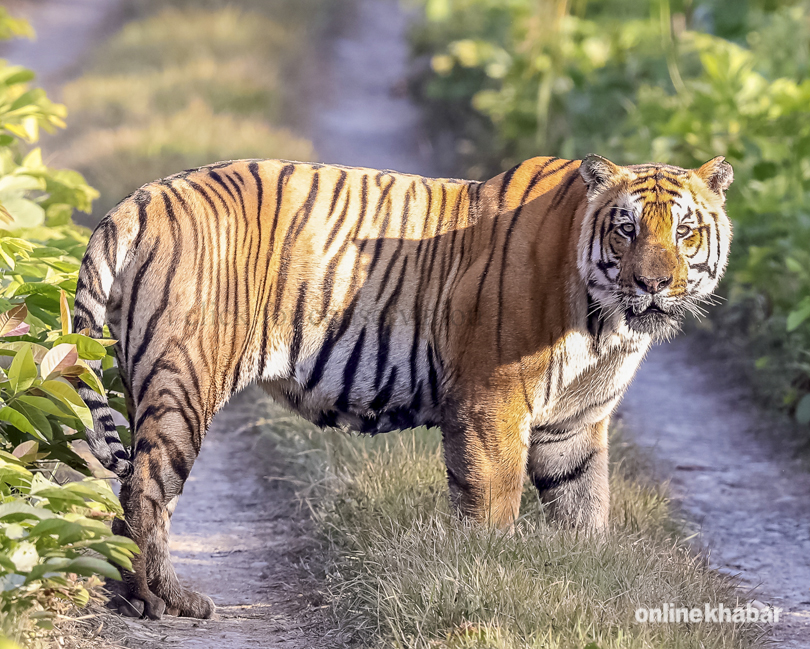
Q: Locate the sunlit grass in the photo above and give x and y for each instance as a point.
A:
(118, 160)
(184, 86)
(404, 571)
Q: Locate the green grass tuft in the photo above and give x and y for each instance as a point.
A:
(404, 571)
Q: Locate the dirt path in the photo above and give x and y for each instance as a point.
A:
(236, 535)
(364, 117)
(732, 472)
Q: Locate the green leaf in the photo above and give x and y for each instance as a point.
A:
(37, 288)
(803, 410)
(44, 404)
(67, 531)
(59, 498)
(22, 511)
(26, 213)
(85, 566)
(89, 349)
(797, 317)
(68, 395)
(92, 381)
(89, 566)
(23, 370)
(20, 183)
(35, 416)
(19, 421)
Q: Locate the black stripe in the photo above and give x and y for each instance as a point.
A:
(336, 192)
(298, 325)
(384, 329)
(545, 483)
(350, 371)
(384, 396)
(294, 229)
(335, 330)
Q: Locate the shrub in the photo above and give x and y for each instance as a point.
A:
(677, 82)
(54, 539)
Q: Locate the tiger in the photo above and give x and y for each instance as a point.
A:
(511, 313)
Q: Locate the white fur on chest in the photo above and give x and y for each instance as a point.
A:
(585, 381)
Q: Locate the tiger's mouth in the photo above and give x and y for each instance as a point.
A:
(636, 312)
(653, 319)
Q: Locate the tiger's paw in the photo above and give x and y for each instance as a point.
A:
(192, 604)
(129, 605)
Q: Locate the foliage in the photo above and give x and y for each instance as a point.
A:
(46, 530)
(675, 81)
(54, 540)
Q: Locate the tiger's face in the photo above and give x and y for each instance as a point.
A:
(655, 240)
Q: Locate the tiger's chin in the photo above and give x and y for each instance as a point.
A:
(654, 321)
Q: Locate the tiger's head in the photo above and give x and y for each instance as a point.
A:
(655, 240)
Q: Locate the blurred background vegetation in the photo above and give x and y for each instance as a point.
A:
(675, 81)
(186, 83)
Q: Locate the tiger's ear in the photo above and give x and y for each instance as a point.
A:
(717, 174)
(598, 172)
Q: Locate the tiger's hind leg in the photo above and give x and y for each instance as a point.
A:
(167, 441)
(570, 471)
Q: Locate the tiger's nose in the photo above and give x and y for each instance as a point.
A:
(653, 284)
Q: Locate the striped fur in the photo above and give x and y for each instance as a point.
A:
(510, 313)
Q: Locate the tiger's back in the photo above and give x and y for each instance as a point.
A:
(317, 280)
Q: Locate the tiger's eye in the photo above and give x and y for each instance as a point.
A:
(628, 228)
(684, 231)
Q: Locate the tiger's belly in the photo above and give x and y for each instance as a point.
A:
(363, 381)
(402, 411)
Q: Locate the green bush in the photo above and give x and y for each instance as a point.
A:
(671, 81)
(54, 537)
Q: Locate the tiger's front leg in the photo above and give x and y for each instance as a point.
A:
(167, 441)
(486, 465)
(570, 470)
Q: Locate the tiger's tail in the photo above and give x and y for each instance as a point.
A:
(106, 256)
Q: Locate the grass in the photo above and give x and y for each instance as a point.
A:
(186, 84)
(402, 570)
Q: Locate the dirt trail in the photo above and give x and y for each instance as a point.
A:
(363, 116)
(236, 534)
(732, 472)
